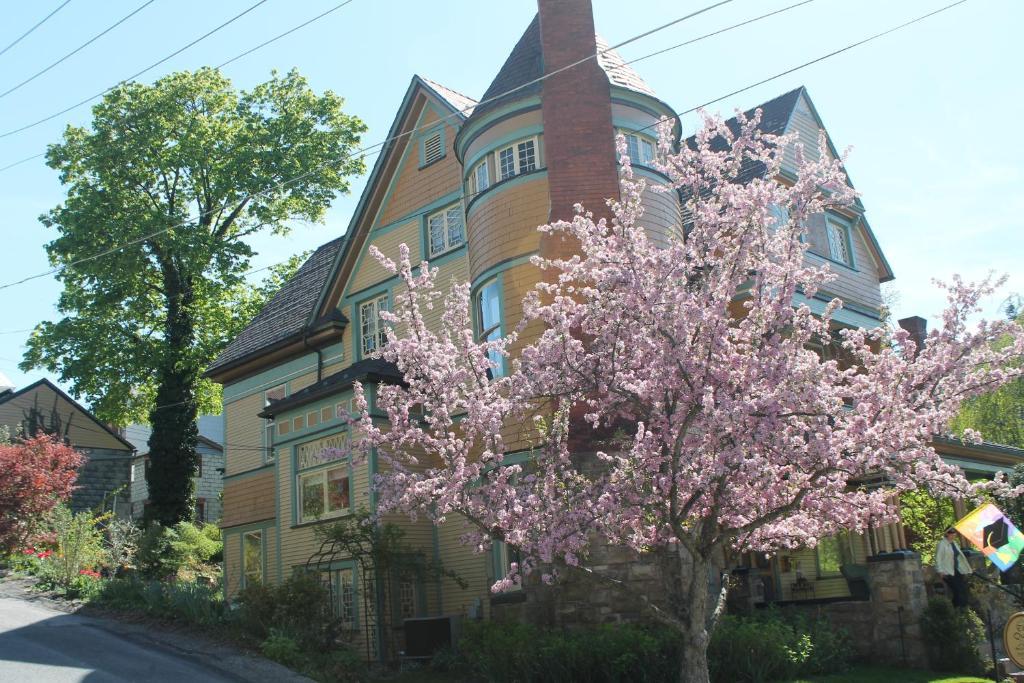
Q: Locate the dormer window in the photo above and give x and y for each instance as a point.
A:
(517, 158)
(839, 248)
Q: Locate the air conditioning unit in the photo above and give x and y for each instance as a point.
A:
(424, 636)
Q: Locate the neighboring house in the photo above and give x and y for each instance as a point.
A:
(209, 479)
(467, 190)
(104, 478)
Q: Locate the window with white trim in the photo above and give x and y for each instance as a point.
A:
(432, 148)
(481, 177)
(371, 326)
(520, 157)
(324, 493)
(345, 603)
(488, 318)
(639, 148)
(252, 558)
(445, 229)
(838, 241)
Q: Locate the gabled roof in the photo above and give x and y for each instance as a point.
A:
(45, 383)
(524, 67)
(369, 369)
(776, 115)
(395, 140)
(459, 102)
(286, 315)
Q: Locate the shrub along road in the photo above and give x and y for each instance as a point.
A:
(41, 643)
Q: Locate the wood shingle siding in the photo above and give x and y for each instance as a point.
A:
(249, 499)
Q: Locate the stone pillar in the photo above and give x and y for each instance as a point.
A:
(898, 601)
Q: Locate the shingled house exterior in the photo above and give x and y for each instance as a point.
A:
(465, 184)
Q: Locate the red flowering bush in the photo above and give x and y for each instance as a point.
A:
(35, 475)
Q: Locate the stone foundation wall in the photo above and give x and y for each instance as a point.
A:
(887, 627)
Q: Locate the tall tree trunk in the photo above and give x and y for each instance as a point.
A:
(696, 635)
(172, 444)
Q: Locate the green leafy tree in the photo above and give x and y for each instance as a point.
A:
(167, 184)
(926, 518)
(999, 415)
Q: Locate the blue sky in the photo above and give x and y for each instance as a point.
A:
(929, 111)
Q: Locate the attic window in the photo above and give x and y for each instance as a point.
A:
(432, 148)
(838, 241)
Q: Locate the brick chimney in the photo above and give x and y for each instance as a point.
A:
(577, 114)
(918, 329)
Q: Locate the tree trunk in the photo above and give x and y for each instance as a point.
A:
(172, 444)
(694, 580)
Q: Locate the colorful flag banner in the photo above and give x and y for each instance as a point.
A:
(992, 531)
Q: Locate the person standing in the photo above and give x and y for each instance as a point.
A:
(953, 567)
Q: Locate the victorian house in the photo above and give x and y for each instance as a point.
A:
(465, 183)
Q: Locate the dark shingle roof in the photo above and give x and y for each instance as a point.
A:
(525, 64)
(775, 114)
(371, 369)
(287, 313)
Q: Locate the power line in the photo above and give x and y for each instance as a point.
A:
(719, 31)
(22, 161)
(136, 74)
(38, 24)
(79, 48)
(282, 35)
(813, 61)
(365, 150)
(222, 64)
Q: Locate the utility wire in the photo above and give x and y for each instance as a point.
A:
(282, 35)
(363, 151)
(79, 48)
(813, 61)
(136, 74)
(38, 24)
(221, 65)
(719, 31)
(22, 161)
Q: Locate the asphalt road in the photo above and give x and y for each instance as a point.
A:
(41, 644)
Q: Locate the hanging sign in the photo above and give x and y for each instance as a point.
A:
(994, 534)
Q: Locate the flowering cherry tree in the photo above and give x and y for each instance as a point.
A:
(35, 475)
(680, 399)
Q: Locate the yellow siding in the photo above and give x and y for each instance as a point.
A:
(503, 224)
(416, 187)
(248, 499)
(370, 270)
(824, 587)
(472, 567)
(83, 431)
(243, 434)
(232, 564)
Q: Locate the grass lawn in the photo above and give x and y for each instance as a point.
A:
(872, 674)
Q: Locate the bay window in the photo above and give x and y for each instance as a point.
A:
(520, 157)
(488, 318)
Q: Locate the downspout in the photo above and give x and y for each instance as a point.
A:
(319, 355)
